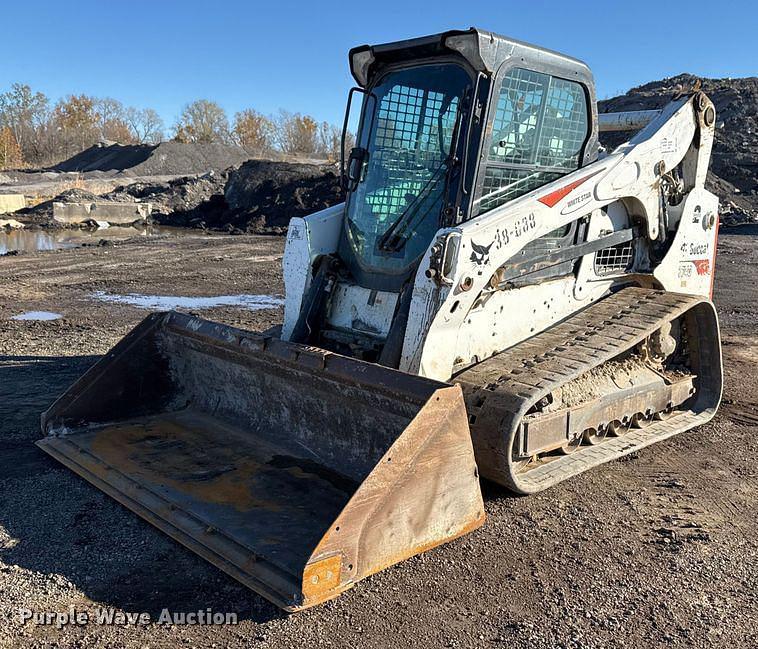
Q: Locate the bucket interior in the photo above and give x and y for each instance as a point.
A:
(255, 445)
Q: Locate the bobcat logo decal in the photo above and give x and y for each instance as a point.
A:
(481, 254)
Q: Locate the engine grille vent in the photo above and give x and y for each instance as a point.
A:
(614, 259)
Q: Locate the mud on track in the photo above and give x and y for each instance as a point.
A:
(659, 549)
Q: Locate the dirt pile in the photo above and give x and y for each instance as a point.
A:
(734, 165)
(262, 195)
(164, 159)
(184, 199)
(175, 197)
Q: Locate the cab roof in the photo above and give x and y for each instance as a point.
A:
(485, 52)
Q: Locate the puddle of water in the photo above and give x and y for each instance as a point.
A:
(37, 315)
(36, 240)
(169, 302)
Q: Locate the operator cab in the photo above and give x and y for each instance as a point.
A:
(450, 127)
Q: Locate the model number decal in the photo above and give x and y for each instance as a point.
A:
(685, 270)
(520, 227)
(523, 224)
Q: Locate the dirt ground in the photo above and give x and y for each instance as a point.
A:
(657, 550)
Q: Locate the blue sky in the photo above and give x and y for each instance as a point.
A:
(293, 55)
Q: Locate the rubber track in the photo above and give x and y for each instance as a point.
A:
(501, 389)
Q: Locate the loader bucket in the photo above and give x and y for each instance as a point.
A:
(295, 470)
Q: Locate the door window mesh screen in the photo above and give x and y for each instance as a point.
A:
(564, 125)
(393, 214)
(407, 148)
(504, 184)
(514, 127)
(538, 130)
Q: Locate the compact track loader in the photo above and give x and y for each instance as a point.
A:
(498, 296)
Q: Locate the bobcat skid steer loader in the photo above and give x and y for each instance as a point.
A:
(497, 297)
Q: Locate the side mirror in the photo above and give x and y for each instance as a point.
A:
(355, 170)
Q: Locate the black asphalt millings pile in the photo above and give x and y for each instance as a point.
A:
(164, 159)
(101, 157)
(182, 198)
(175, 158)
(734, 165)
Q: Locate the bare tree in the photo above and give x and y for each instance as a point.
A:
(145, 125)
(330, 140)
(108, 111)
(76, 122)
(25, 113)
(111, 117)
(296, 133)
(202, 121)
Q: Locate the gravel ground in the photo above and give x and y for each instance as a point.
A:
(657, 550)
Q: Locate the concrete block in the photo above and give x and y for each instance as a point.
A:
(110, 212)
(11, 203)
